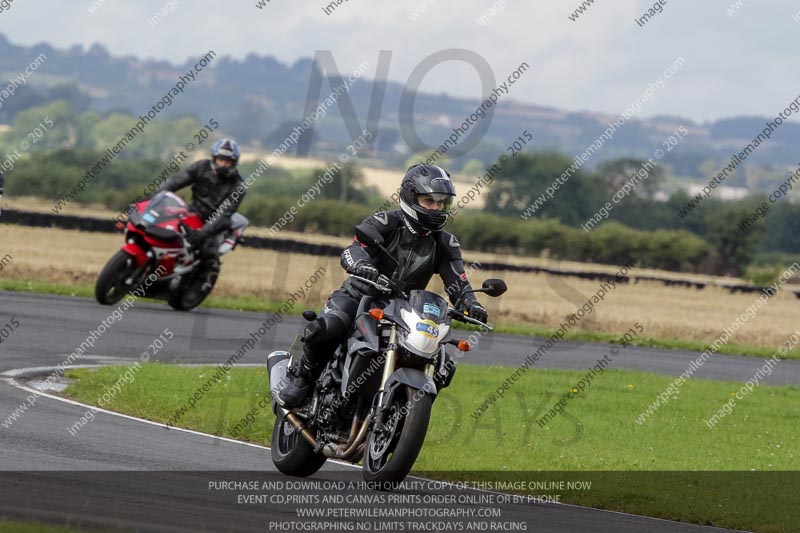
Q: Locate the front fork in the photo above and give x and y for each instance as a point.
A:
(389, 367)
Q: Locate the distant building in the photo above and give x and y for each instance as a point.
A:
(723, 193)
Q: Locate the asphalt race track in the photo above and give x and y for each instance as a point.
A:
(120, 472)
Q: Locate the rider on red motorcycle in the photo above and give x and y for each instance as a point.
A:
(217, 192)
(414, 236)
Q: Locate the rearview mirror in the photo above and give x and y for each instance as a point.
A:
(494, 287)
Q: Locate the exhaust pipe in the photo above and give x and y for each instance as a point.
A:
(351, 450)
(299, 427)
(277, 367)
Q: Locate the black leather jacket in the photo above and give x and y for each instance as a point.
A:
(420, 255)
(211, 195)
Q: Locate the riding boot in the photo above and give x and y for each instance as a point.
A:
(304, 375)
(301, 383)
(209, 272)
(209, 267)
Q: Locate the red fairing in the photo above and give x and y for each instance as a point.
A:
(193, 221)
(168, 263)
(188, 218)
(136, 252)
(168, 212)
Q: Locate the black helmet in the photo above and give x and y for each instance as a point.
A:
(225, 149)
(421, 180)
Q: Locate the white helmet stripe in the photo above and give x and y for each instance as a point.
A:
(407, 210)
(444, 174)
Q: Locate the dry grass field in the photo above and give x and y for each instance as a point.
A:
(74, 257)
(99, 211)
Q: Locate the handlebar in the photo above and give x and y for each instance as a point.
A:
(382, 288)
(458, 315)
(451, 311)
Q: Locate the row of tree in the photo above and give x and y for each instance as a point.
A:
(708, 241)
(66, 145)
(523, 180)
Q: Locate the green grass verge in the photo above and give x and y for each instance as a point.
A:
(250, 303)
(597, 434)
(39, 287)
(8, 526)
(652, 342)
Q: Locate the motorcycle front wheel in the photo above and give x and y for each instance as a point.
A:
(391, 451)
(118, 277)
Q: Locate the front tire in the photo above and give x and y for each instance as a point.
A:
(291, 453)
(118, 277)
(390, 454)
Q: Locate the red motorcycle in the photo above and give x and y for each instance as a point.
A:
(156, 258)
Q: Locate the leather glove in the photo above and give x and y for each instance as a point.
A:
(367, 271)
(475, 310)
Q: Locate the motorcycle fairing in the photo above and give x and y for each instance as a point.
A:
(163, 207)
(360, 350)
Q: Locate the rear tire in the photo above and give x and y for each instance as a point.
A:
(111, 284)
(291, 453)
(388, 457)
(192, 294)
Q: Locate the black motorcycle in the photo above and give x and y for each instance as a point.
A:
(373, 400)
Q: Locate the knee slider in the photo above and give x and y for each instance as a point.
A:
(324, 331)
(314, 333)
(335, 327)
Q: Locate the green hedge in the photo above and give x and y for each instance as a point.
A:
(610, 243)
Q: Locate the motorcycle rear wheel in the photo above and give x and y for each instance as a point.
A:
(291, 453)
(193, 293)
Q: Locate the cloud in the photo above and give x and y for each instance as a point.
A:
(600, 62)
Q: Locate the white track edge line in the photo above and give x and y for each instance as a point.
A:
(13, 382)
(9, 377)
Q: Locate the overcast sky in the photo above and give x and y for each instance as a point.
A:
(736, 65)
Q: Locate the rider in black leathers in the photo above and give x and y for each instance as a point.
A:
(414, 236)
(217, 192)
